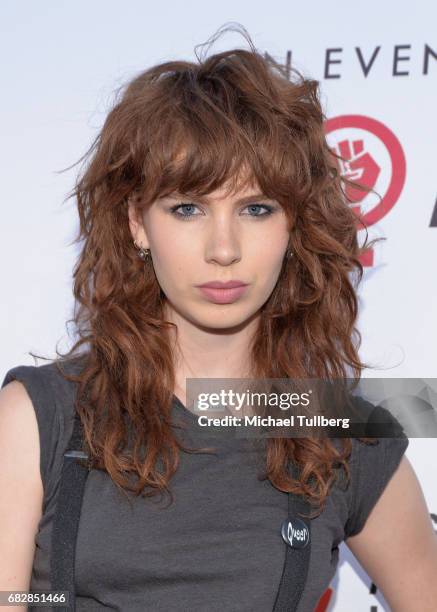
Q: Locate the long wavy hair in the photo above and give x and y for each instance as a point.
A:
(191, 127)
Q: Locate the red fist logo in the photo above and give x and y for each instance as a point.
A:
(359, 165)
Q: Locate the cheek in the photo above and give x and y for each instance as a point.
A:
(266, 268)
(266, 257)
(173, 261)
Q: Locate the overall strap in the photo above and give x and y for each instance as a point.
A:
(67, 514)
(296, 533)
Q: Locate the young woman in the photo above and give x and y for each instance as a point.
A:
(209, 172)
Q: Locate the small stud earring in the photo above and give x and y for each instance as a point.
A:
(142, 252)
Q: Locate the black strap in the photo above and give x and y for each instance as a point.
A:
(67, 514)
(297, 560)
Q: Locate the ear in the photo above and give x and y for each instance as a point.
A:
(136, 224)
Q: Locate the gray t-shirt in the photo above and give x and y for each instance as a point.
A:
(218, 546)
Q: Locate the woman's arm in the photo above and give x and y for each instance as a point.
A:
(398, 547)
(21, 488)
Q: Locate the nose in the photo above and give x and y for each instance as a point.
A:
(223, 245)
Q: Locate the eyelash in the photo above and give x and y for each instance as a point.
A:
(270, 209)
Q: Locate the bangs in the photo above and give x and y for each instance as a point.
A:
(206, 132)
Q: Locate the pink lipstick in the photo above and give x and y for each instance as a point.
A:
(223, 292)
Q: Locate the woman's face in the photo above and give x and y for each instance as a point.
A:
(240, 237)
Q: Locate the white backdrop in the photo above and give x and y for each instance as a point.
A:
(61, 62)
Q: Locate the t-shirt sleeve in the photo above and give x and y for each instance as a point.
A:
(371, 466)
(36, 380)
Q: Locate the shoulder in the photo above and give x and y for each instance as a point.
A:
(47, 389)
(47, 386)
(18, 426)
(41, 400)
(47, 378)
(372, 466)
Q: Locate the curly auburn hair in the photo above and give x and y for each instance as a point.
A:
(192, 127)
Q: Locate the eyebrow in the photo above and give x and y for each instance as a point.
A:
(208, 200)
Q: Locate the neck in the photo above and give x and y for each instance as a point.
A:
(201, 352)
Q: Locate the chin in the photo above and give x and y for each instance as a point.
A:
(225, 317)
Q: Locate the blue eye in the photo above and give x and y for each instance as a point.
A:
(269, 210)
(173, 210)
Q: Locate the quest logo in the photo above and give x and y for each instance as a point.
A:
(371, 156)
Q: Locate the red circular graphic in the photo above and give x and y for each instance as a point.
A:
(395, 151)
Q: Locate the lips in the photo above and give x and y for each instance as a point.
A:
(224, 285)
(223, 293)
